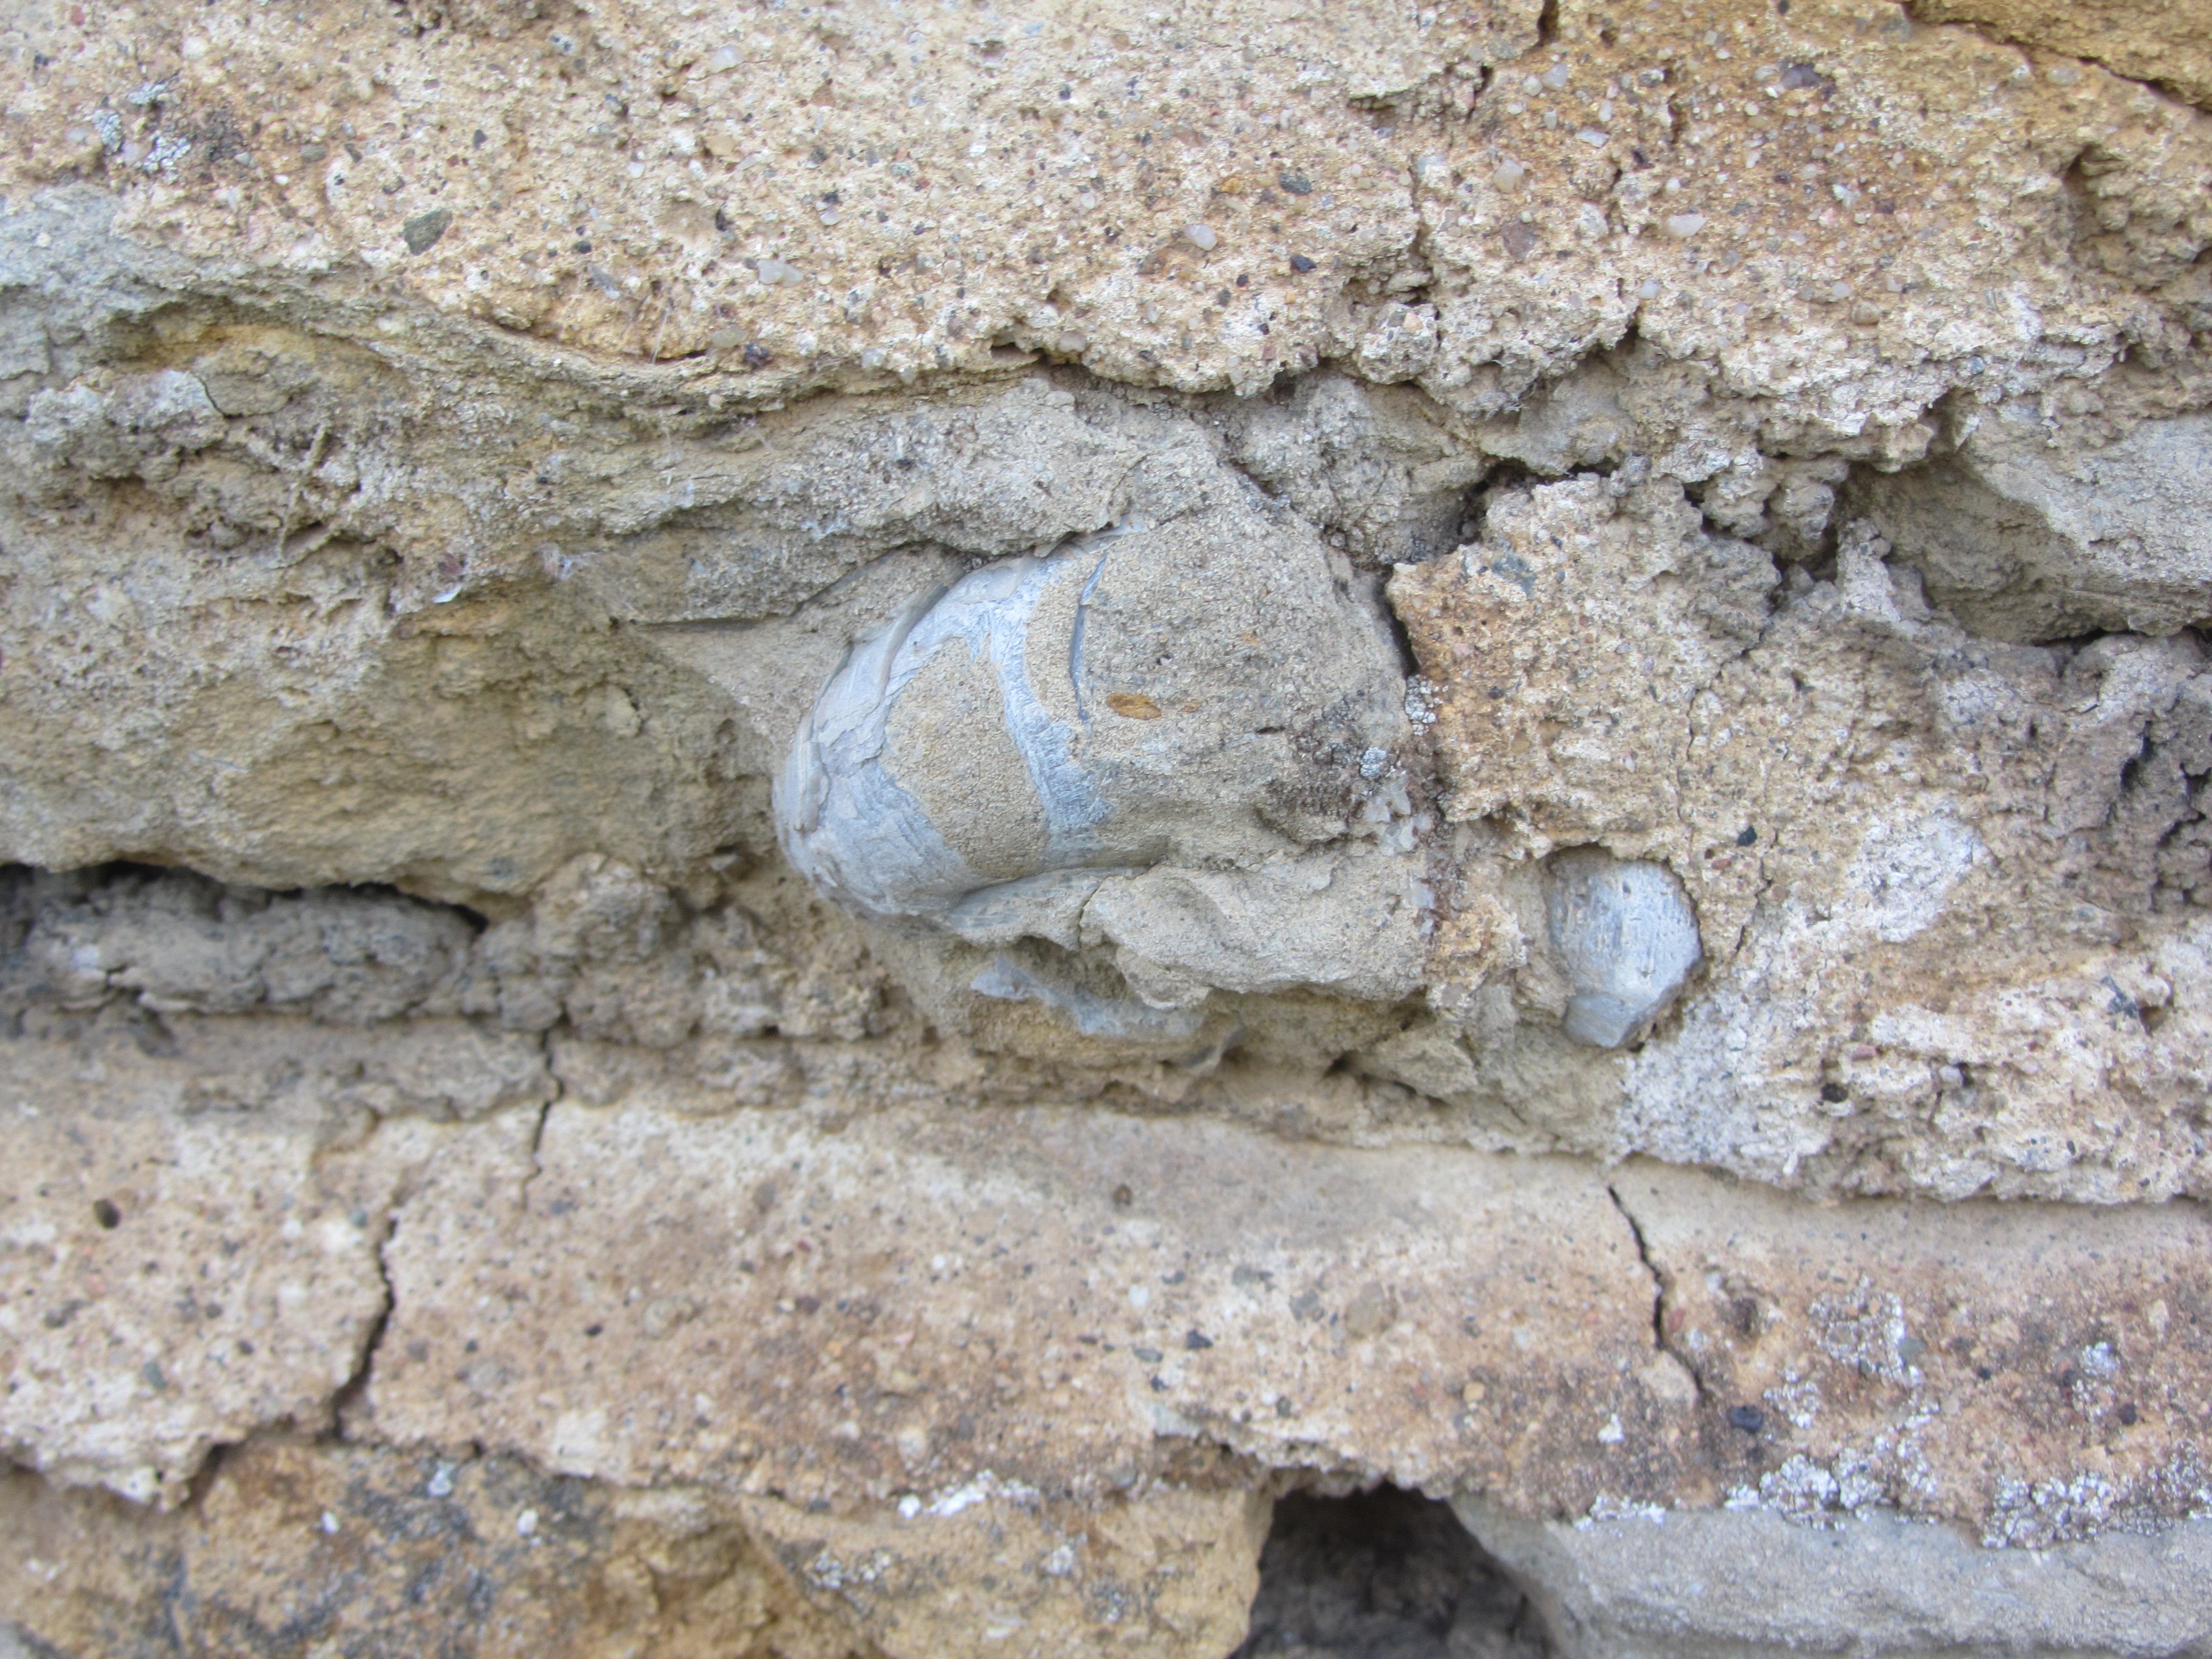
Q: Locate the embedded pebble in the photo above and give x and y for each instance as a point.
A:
(1627, 938)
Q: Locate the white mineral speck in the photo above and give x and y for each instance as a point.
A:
(1201, 237)
(527, 1523)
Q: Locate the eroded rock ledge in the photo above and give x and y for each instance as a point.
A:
(820, 825)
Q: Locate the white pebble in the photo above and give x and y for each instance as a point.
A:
(1556, 76)
(1509, 175)
(1685, 224)
(527, 1523)
(1201, 237)
(1593, 137)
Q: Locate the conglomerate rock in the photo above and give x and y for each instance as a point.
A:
(821, 822)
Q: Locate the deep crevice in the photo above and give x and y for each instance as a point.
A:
(1386, 1574)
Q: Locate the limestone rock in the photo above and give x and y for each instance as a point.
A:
(1732, 1581)
(2026, 535)
(1536, 672)
(399, 1553)
(178, 1277)
(1074, 1302)
(1167, 1573)
(1998, 1333)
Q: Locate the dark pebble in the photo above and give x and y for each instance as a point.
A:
(758, 356)
(1159, 1385)
(1748, 837)
(420, 233)
(1196, 1341)
(1297, 183)
(1834, 1093)
(105, 1213)
(1150, 1356)
(593, 1330)
(1300, 263)
(1749, 1419)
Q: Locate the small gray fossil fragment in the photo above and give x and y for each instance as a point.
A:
(1627, 938)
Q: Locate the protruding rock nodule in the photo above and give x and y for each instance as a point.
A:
(1159, 743)
(1627, 938)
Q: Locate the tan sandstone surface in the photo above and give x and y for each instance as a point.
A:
(822, 822)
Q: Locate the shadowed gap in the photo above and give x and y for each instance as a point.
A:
(1386, 1574)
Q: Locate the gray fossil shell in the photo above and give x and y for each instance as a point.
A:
(1627, 938)
(1142, 716)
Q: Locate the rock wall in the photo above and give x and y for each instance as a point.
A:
(828, 830)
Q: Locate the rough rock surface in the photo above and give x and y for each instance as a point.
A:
(818, 825)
